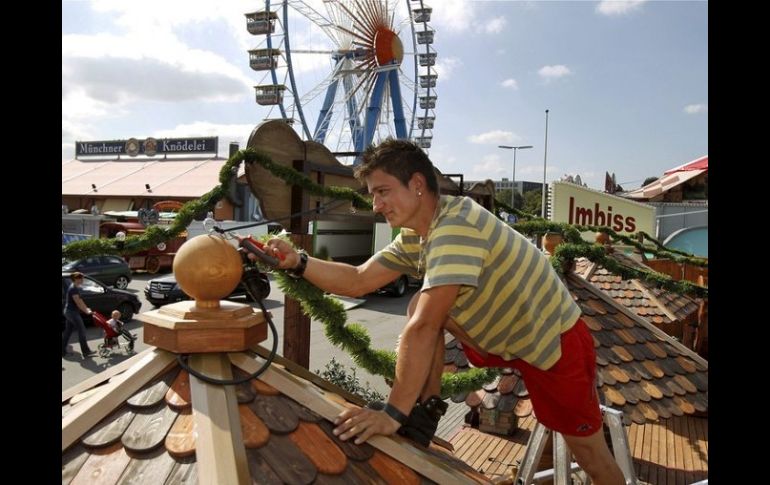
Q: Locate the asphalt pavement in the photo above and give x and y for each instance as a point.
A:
(382, 315)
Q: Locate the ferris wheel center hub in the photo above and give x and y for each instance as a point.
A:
(388, 47)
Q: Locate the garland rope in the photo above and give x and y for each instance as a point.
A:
(354, 338)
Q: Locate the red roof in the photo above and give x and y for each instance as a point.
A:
(701, 163)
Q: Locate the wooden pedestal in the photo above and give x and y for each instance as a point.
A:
(183, 328)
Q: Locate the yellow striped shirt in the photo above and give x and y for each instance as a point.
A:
(511, 301)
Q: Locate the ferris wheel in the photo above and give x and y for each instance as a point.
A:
(347, 73)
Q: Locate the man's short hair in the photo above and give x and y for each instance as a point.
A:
(77, 275)
(399, 158)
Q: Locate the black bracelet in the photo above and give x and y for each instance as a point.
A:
(297, 272)
(395, 414)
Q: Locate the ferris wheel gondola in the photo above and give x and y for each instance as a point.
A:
(337, 70)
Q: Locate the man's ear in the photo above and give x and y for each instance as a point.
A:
(418, 182)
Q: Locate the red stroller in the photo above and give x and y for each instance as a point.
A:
(110, 336)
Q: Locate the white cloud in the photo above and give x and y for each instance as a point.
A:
(461, 16)
(490, 167)
(694, 109)
(494, 136)
(553, 72)
(613, 7)
(494, 26)
(445, 66)
(510, 83)
(454, 16)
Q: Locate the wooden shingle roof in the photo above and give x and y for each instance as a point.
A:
(153, 423)
(658, 306)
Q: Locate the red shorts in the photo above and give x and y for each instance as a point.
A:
(564, 397)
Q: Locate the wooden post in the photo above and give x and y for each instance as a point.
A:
(296, 325)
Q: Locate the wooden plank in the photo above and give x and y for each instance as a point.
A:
(149, 428)
(491, 455)
(498, 467)
(287, 461)
(688, 445)
(669, 461)
(657, 447)
(679, 445)
(313, 398)
(178, 395)
(104, 375)
(302, 372)
(180, 441)
(103, 466)
(81, 419)
(276, 415)
(154, 467)
(393, 471)
(640, 432)
(151, 394)
(220, 452)
(185, 472)
(255, 433)
(71, 461)
(319, 448)
(110, 429)
(261, 472)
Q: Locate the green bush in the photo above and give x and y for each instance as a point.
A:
(335, 373)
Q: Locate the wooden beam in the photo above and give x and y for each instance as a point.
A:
(220, 452)
(296, 325)
(655, 300)
(113, 394)
(315, 399)
(103, 376)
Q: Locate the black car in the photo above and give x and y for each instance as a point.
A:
(110, 270)
(101, 298)
(164, 290)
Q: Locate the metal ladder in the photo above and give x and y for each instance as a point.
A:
(563, 466)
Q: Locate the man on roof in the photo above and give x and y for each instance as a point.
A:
(484, 283)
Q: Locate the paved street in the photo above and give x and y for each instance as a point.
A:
(383, 316)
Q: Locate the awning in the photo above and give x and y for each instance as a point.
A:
(178, 178)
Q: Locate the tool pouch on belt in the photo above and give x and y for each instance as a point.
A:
(423, 420)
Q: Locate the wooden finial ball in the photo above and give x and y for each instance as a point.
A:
(207, 268)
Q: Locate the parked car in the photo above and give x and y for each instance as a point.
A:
(164, 290)
(110, 270)
(101, 298)
(398, 287)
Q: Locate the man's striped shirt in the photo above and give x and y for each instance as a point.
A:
(511, 301)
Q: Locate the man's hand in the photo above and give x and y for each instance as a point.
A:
(364, 423)
(281, 250)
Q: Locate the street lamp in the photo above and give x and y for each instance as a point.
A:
(513, 182)
(545, 157)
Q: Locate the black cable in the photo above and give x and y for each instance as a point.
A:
(182, 358)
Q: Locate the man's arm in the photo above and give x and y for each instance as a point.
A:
(418, 343)
(415, 356)
(333, 277)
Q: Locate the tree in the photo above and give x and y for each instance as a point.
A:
(504, 196)
(532, 202)
(648, 181)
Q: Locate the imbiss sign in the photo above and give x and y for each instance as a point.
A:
(574, 204)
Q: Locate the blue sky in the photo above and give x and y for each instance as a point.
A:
(626, 83)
